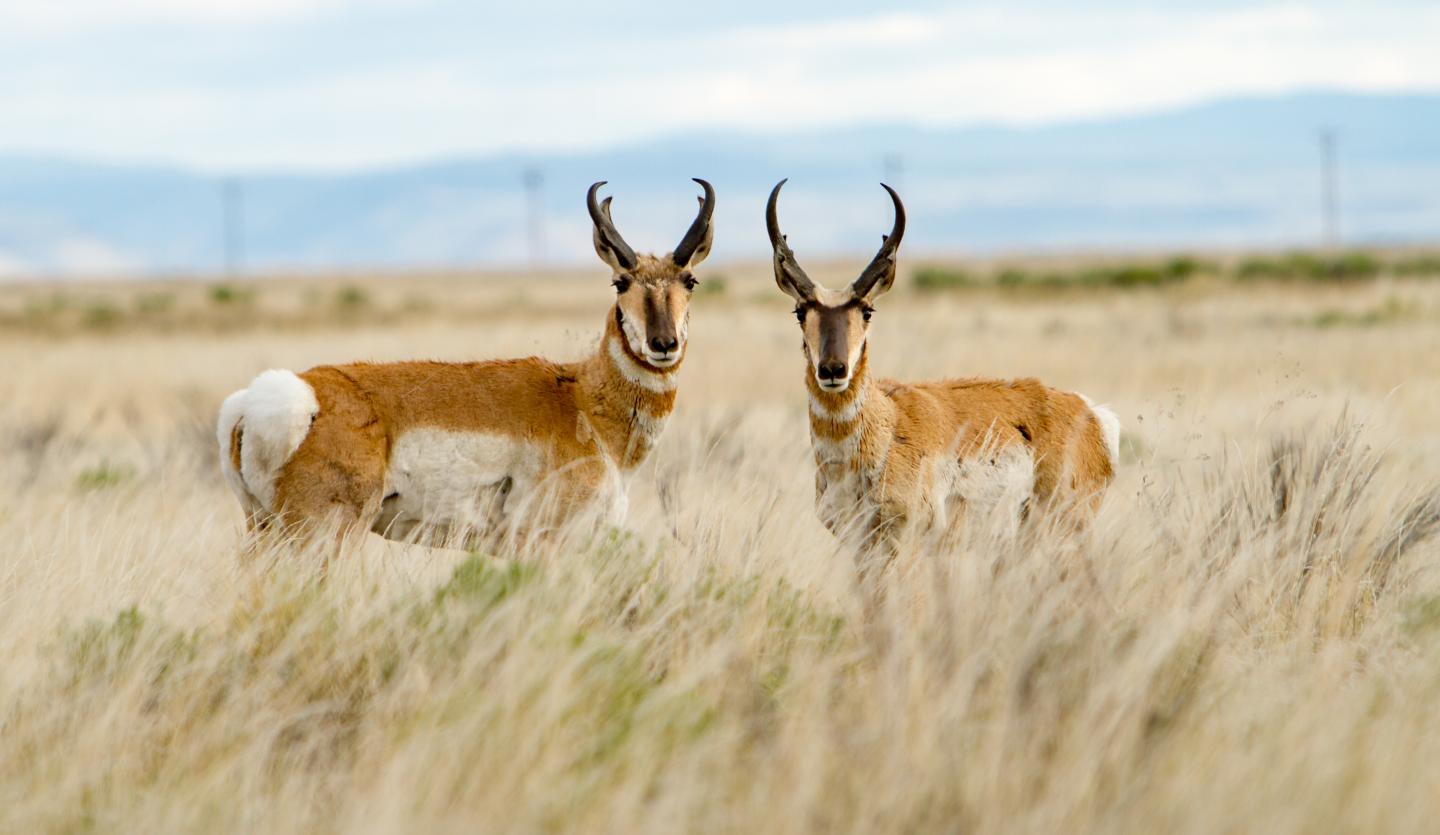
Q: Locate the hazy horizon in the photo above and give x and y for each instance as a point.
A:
(398, 133)
(520, 153)
(221, 85)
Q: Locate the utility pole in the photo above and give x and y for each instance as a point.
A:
(1329, 191)
(534, 215)
(892, 168)
(232, 225)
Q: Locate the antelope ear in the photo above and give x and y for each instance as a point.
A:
(878, 280)
(603, 248)
(789, 277)
(611, 248)
(791, 280)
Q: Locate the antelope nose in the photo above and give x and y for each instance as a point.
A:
(663, 345)
(832, 370)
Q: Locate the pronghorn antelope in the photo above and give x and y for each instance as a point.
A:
(444, 452)
(923, 456)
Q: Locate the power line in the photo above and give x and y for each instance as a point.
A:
(1329, 190)
(534, 215)
(892, 168)
(232, 225)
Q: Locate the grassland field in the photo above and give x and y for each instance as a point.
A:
(1247, 639)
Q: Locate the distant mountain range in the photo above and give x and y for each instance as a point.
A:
(1241, 172)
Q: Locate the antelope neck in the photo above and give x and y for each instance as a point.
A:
(837, 415)
(625, 400)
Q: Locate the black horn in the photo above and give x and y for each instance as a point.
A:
(606, 229)
(699, 231)
(883, 264)
(787, 270)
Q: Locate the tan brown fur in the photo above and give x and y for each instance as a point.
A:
(579, 412)
(894, 457)
(904, 427)
(235, 447)
(577, 425)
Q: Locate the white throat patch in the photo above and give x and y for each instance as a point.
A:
(844, 414)
(637, 374)
(836, 452)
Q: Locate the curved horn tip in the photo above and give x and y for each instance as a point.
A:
(708, 198)
(605, 228)
(772, 219)
(590, 202)
(774, 197)
(698, 234)
(899, 212)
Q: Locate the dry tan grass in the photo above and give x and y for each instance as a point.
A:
(1247, 640)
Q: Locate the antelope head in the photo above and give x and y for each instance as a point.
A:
(652, 304)
(835, 323)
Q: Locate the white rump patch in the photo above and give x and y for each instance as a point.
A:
(275, 416)
(230, 413)
(635, 373)
(1109, 428)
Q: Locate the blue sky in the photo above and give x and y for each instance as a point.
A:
(242, 84)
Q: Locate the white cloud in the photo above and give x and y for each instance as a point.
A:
(987, 65)
(72, 15)
(11, 267)
(86, 256)
(983, 64)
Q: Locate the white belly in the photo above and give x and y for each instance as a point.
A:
(448, 487)
(990, 487)
(443, 483)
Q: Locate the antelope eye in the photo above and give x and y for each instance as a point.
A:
(690, 282)
(621, 284)
(865, 313)
(800, 315)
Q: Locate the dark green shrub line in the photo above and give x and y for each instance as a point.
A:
(1293, 267)
(231, 294)
(1308, 266)
(943, 278)
(1139, 274)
